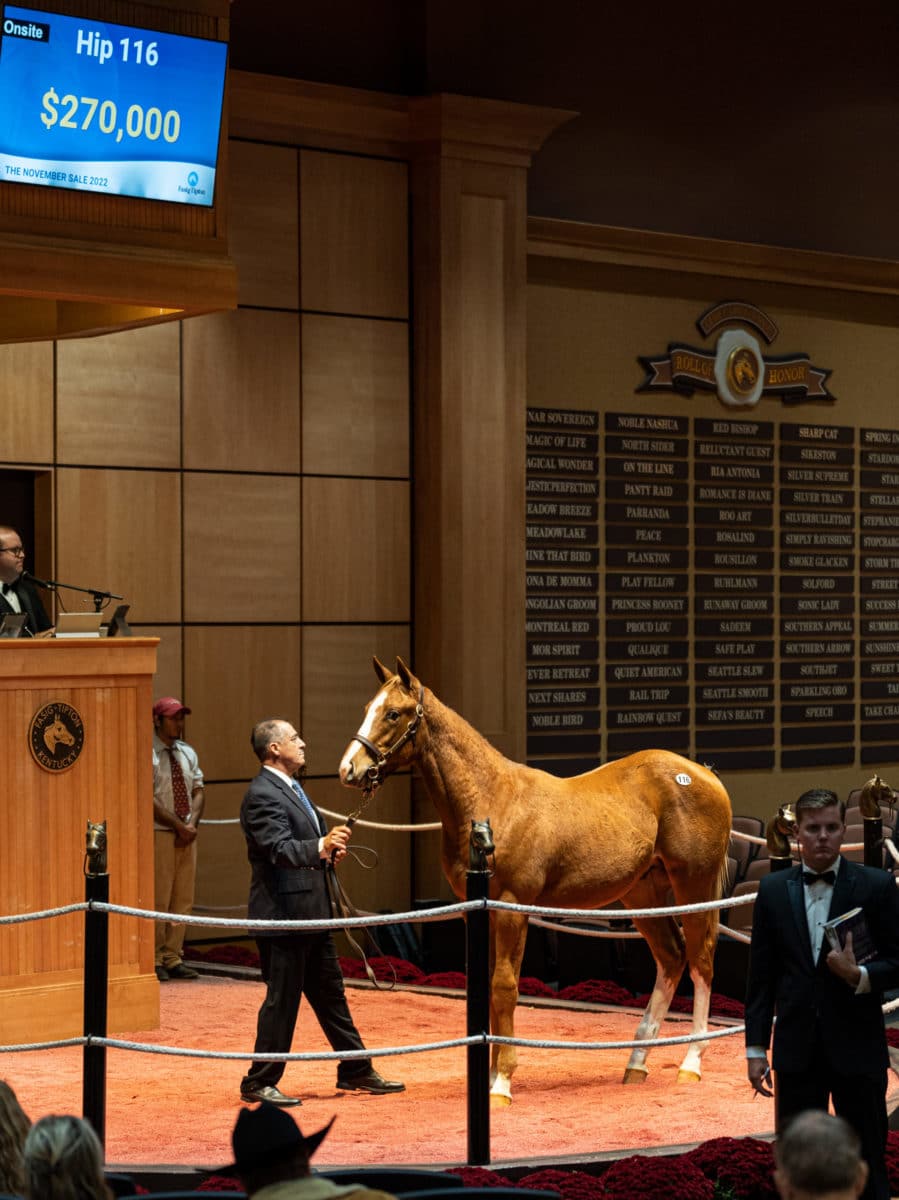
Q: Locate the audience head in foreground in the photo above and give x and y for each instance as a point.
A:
(269, 1147)
(818, 1156)
(14, 1125)
(64, 1161)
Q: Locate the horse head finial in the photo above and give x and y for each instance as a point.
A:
(778, 831)
(873, 794)
(95, 848)
(480, 845)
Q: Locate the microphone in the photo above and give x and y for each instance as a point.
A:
(44, 583)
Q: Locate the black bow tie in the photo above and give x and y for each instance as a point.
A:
(824, 877)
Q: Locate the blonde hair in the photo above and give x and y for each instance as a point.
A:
(14, 1125)
(64, 1161)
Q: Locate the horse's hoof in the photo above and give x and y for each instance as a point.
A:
(635, 1075)
(498, 1100)
(688, 1076)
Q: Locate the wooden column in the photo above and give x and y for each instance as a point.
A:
(469, 175)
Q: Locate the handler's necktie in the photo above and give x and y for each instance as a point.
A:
(824, 877)
(305, 802)
(179, 787)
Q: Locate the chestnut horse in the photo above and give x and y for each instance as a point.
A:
(637, 830)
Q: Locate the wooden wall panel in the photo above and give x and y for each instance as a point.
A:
(26, 391)
(356, 560)
(118, 398)
(263, 224)
(257, 667)
(355, 396)
(354, 235)
(241, 392)
(241, 548)
(120, 530)
(168, 680)
(223, 873)
(338, 680)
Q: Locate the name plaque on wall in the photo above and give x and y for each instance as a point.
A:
(562, 589)
(733, 519)
(817, 561)
(646, 556)
(713, 586)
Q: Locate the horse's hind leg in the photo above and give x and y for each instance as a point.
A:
(701, 935)
(509, 930)
(666, 942)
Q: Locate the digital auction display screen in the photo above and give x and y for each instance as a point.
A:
(97, 107)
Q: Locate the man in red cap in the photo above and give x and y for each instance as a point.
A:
(177, 810)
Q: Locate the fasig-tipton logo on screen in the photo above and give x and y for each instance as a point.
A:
(108, 108)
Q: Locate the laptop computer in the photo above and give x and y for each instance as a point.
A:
(78, 624)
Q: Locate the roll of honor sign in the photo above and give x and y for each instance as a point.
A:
(106, 108)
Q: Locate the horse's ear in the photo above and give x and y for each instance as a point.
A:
(407, 679)
(380, 670)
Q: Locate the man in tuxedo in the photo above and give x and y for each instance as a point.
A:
(291, 853)
(18, 595)
(829, 1039)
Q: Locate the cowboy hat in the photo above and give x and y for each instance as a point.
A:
(267, 1134)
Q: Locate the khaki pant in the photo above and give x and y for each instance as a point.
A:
(175, 871)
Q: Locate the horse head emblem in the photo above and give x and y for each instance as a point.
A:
(57, 733)
(95, 848)
(779, 830)
(481, 845)
(876, 792)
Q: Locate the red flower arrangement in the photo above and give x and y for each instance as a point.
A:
(480, 1177)
(892, 1157)
(645, 1176)
(744, 1166)
(220, 1183)
(386, 968)
(571, 1185)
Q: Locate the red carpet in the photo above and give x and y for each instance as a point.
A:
(567, 1104)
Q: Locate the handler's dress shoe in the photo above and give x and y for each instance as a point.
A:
(273, 1095)
(162, 974)
(371, 1081)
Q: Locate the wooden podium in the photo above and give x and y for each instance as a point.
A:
(77, 732)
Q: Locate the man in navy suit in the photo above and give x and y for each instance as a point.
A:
(829, 1038)
(291, 853)
(18, 595)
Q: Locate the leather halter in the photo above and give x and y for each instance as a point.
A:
(374, 772)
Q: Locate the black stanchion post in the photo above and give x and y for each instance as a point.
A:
(477, 957)
(873, 841)
(96, 977)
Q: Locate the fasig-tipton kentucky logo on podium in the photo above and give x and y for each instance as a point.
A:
(737, 370)
(56, 736)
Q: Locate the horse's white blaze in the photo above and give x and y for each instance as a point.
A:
(365, 729)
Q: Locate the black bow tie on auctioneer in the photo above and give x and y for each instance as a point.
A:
(824, 877)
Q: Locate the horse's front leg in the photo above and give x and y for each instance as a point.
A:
(508, 932)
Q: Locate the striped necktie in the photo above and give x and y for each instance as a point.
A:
(305, 802)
